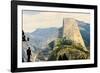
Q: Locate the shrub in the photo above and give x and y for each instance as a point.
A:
(66, 49)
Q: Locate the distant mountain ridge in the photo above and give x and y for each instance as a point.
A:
(41, 37)
(44, 34)
(85, 32)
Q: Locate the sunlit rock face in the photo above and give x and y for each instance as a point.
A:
(72, 31)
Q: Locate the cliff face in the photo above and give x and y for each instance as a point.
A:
(71, 31)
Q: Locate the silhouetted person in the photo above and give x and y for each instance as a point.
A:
(23, 36)
(27, 38)
(28, 54)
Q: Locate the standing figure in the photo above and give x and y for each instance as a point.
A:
(28, 54)
(27, 38)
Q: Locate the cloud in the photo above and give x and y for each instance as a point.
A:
(33, 19)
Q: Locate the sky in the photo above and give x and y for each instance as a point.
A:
(33, 20)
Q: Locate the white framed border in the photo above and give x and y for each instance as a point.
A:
(20, 64)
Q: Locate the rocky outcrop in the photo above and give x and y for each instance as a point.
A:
(71, 31)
